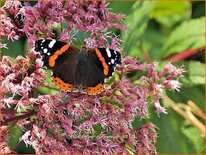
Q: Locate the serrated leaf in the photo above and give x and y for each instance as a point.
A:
(136, 23)
(189, 35)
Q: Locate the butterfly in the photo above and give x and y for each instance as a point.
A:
(78, 69)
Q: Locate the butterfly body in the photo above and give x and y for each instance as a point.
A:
(74, 69)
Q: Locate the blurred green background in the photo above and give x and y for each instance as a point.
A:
(157, 31)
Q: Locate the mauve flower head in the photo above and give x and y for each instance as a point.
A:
(155, 82)
(8, 28)
(45, 17)
(13, 6)
(68, 123)
(21, 77)
(147, 137)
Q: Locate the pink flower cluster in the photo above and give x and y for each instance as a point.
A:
(67, 123)
(92, 124)
(157, 81)
(7, 27)
(70, 17)
(19, 78)
(78, 123)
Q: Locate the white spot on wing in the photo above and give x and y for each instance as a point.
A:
(108, 52)
(45, 50)
(51, 44)
(112, 61)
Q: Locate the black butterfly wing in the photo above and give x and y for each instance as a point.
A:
(100, 64)
(48, 48)
(72, 68)
(80, 70)
(90, 72)
(65, 69)
(111, 57)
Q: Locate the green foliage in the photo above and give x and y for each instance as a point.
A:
(194, 136)
(15, 48)
(136, 23)
(123, 7)
(15, 133)
(161, 29)
(189, 35)
(195, 73)
(171, 140)
(170, 13)
(13, 141)
(193, 93)
(48, 81)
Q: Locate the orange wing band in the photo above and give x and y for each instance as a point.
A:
(62, 85)
(95, 90)
(56, 54)
(101, 58)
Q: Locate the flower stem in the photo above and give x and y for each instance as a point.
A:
(184, 55)
(6, 121)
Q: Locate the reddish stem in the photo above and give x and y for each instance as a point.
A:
(3, 111)
(147, 57)
(184, 55)
(30, 113)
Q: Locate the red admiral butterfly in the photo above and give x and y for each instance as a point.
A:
(74, 69)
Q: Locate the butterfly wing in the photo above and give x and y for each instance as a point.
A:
(65, 69)
(50, 48)
(72, 68)
(79, 69)
(110, 59)
(101, 64)
(85, 70)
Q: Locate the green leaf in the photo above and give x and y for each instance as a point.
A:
(170, 138)
(153, 41)
(195, 73)
(169, 13)
(136, 23)
(194, 136)
(45, 90)
(120, 7)
(195, 94)
(97, 129)
(189, 35)
(15, 48)
(14, 134)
